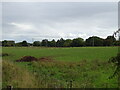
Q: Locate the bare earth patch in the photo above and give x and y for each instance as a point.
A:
(31, 58)
(46, 59)
(4, 54)
(27, 59)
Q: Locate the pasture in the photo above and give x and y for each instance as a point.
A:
(76, 67)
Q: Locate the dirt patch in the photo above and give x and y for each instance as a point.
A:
(46, 59)
(27, 59)
(31, 58)
(4, 54)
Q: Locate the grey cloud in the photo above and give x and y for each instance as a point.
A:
(54, 20)
(54, 11)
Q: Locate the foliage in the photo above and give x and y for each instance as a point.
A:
(22, 44)
(67, 43)
(117, 43)
(94, 41)
(109, 41)
(116, 61)
(52, 43)
(44, 42)
(60, 43)
(76, 42)
(36, 43)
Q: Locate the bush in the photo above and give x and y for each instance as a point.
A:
(116, 62)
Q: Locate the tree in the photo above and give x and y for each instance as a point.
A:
(117, 43)
(24, 43)
(109, 41)
(67, 43)
(52, 43)
(44, 42)
(60, 43)
(36, 43)
(77, 42)
(94, 41)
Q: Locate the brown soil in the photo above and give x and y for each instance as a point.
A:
(31, 58)
(48, 59)
(4, 54)
(27, 59)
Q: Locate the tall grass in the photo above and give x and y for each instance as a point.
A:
(17, 77)
(83, 74)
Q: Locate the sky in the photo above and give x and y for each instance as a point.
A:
(54, 20)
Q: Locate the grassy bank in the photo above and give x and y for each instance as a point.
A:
(85, 67)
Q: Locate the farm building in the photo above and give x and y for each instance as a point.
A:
(8, 43)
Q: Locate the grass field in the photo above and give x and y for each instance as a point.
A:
(78, 67)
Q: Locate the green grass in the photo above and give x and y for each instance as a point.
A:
(62, 54)
(86, 67)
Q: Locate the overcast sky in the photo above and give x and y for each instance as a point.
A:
(50, 20)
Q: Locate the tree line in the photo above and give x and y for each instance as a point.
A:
(76, 42)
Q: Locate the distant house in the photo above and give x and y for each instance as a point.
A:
(0, 43)
(8, 43)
